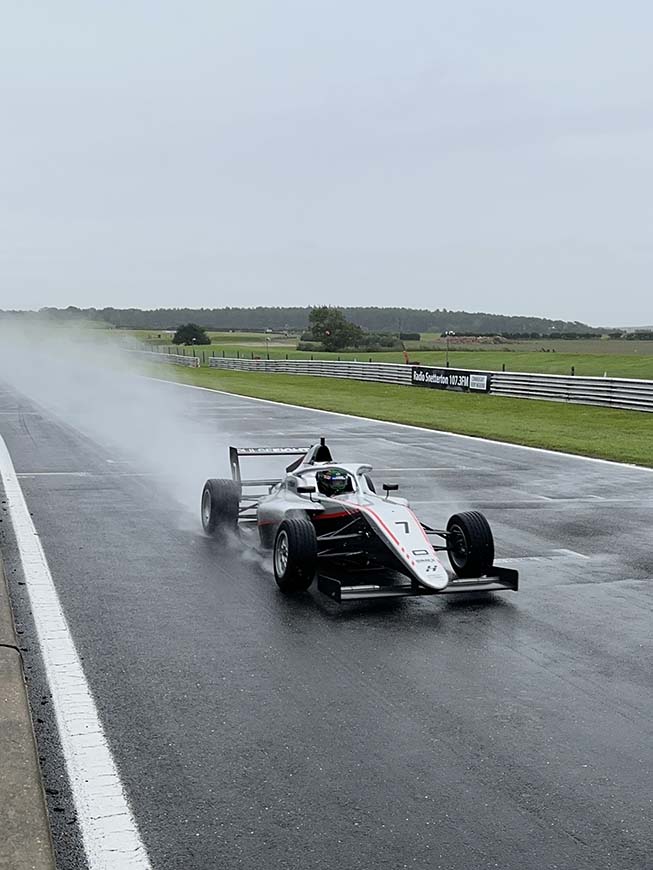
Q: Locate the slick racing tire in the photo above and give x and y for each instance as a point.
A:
(470, 545)
(295, 555)
(220, 504)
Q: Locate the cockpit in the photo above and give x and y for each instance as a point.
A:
(334, 481)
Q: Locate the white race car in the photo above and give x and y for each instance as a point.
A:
(325, 519)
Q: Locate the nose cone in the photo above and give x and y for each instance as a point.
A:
(403, 533)
(431, 572)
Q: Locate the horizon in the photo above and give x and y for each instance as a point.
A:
(99, 309)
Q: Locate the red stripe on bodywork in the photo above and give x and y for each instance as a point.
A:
(381, 523)
(333, 516)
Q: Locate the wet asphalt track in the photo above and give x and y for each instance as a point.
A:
(253, 731)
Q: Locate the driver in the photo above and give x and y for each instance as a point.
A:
(333, 481)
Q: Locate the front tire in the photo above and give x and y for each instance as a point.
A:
(220, 505)
(470, 544)
(295, 555)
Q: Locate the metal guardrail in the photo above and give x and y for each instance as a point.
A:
(171, 358)
(385, 373)
(625, 393)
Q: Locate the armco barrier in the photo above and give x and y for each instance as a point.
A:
(385, 373)
(171, 358)
(625, 393)
(629, 394)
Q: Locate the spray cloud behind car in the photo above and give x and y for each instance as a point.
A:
(91, 382)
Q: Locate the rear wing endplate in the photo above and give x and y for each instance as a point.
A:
(236, 452)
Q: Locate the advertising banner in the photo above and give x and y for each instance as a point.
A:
(460, 380)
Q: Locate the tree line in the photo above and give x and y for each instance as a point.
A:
(295, 319)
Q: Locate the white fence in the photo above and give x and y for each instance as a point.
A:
(630, 394)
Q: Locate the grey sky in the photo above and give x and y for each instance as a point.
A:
(481, 155)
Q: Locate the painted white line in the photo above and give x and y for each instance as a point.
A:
(435, 468)
(545, 557)
(573, 553)
(109, 474)
(111, 838)
(477, 438)
(21, 474)
(518, 504)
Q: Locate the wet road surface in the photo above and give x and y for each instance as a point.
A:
(251, 730)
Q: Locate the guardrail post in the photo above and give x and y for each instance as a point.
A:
(573, 371)
(237, 354)
(503, 367)
(222, 354)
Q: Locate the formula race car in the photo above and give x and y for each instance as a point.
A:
(325, 519)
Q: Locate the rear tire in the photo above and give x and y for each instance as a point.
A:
(220, 505)
(295, 555)
(470, 545)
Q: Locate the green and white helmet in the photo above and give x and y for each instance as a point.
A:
(332, 481)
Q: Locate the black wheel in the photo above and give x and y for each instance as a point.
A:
(295, 555)
(220, 504)
(470, 545)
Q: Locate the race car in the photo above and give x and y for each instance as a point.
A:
(325, 519)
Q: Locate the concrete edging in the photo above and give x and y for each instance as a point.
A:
(26, 843)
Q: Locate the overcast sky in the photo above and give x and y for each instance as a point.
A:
(491, 156)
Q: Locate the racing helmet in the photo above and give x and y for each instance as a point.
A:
(332, 481)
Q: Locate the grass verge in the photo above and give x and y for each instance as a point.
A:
(622, 436)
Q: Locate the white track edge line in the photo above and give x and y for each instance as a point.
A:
(109, 831)
(580, 456)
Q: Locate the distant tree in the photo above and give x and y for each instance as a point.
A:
(330, 327)
(190, 333)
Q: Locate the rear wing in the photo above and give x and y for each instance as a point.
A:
(236, 452)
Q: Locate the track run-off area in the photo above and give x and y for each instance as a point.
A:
(239, 728)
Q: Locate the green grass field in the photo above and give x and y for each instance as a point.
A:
(623, 436)
(634, 359)
(218, 339)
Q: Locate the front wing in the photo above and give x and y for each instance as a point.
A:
(349, 587)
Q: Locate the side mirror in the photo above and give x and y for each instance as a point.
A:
(390, 487)
(305, 490)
